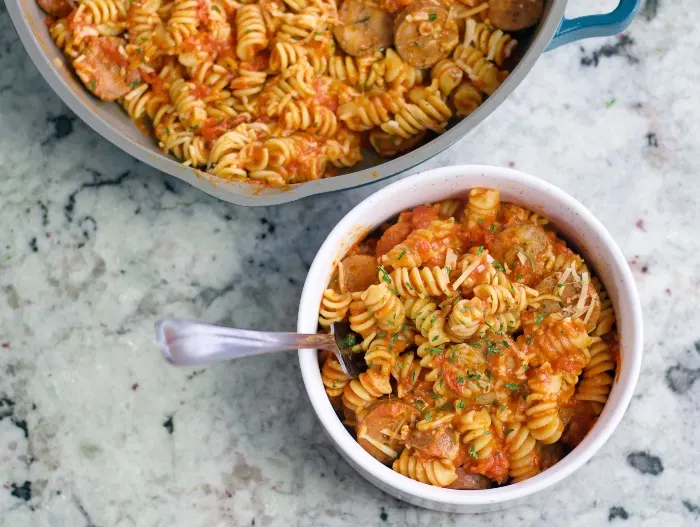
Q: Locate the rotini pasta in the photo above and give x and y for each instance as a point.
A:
(473, 376)
(340, 72)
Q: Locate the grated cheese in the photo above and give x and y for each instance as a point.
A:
(589, 312)
(380, 446)
(341, 277)
(580, 306)
(451, 259)
(480, 268)
(562, 280)
(522, 257)
(465, 274)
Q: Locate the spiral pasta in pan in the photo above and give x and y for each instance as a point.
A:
(491, 346)
(319, 80)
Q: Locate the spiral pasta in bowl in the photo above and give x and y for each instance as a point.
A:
(500, 328)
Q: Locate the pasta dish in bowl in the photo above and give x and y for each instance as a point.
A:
(495, 322)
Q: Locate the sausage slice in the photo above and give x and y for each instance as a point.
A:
(103, 69)
(424, 33)
(359, 272)
(469, 481)
(363, 29)
(379, 430)
(57, 8)
(514, 15)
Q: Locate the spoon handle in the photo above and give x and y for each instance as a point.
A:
(185, 342)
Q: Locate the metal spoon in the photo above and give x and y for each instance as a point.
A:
(187, 342)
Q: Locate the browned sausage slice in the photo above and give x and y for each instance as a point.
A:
(469, 481)
(514, 15)
(379, 430)
(103, 69)
(424, 33)
(359, 271)
(57, 8)
(363, 29)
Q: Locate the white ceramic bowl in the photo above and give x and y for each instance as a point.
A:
(575, 222)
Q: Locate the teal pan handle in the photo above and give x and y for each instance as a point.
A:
(573, 29)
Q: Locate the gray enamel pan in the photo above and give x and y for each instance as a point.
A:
(110, 121)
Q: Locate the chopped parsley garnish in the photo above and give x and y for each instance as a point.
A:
(401, 254)
(511, 386)
(525, 366)
(135, 83)
(399, 366)
(479, 250)
(435, 351)
(435, 338)
(472, 451)
(434, 395)
(445, 407)
(348, 341)
(518, 276)
(460, 379)
(216, 8)
(505, 344)
(432, 17)
(509, 431)
(480, 221)
(492, 227)
(473, 376)
(428, 416)
(413, 376)
(528, 339)
(492, 348)
(452, 356)
(459, 405)
(497, 265)
(486, 432)
(92, 84)
(393, 338)
(539, 318)
(385, 276)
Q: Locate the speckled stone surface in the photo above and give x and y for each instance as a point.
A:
(96, 430)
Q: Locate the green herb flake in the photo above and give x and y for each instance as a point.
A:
(525, 366)
(401, 254)
(393, 338)
(610, 103)
(479, 250)
(428, 416)
(480, 221)
(348, 341)
(216, 8)
(509, 431)
(446, 407)
(385, 276)
(505, 344)
(460, 379)
(452, 356)
(518, 277)
(167, 131)
(435, 338)
(434, 395)
(459, 405)
(135, 83)
(512, 386)
(497, 265)
(473, 376)
(413, 376)
(472, 451)
(528, 339)
(432, 17)
(539, 318)
(399, 366)
(492, 227)
(92, 84)
(435, 351)
(486, 432)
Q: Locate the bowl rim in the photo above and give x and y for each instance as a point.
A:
(627, 377)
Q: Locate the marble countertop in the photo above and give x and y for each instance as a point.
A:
(96, 430)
